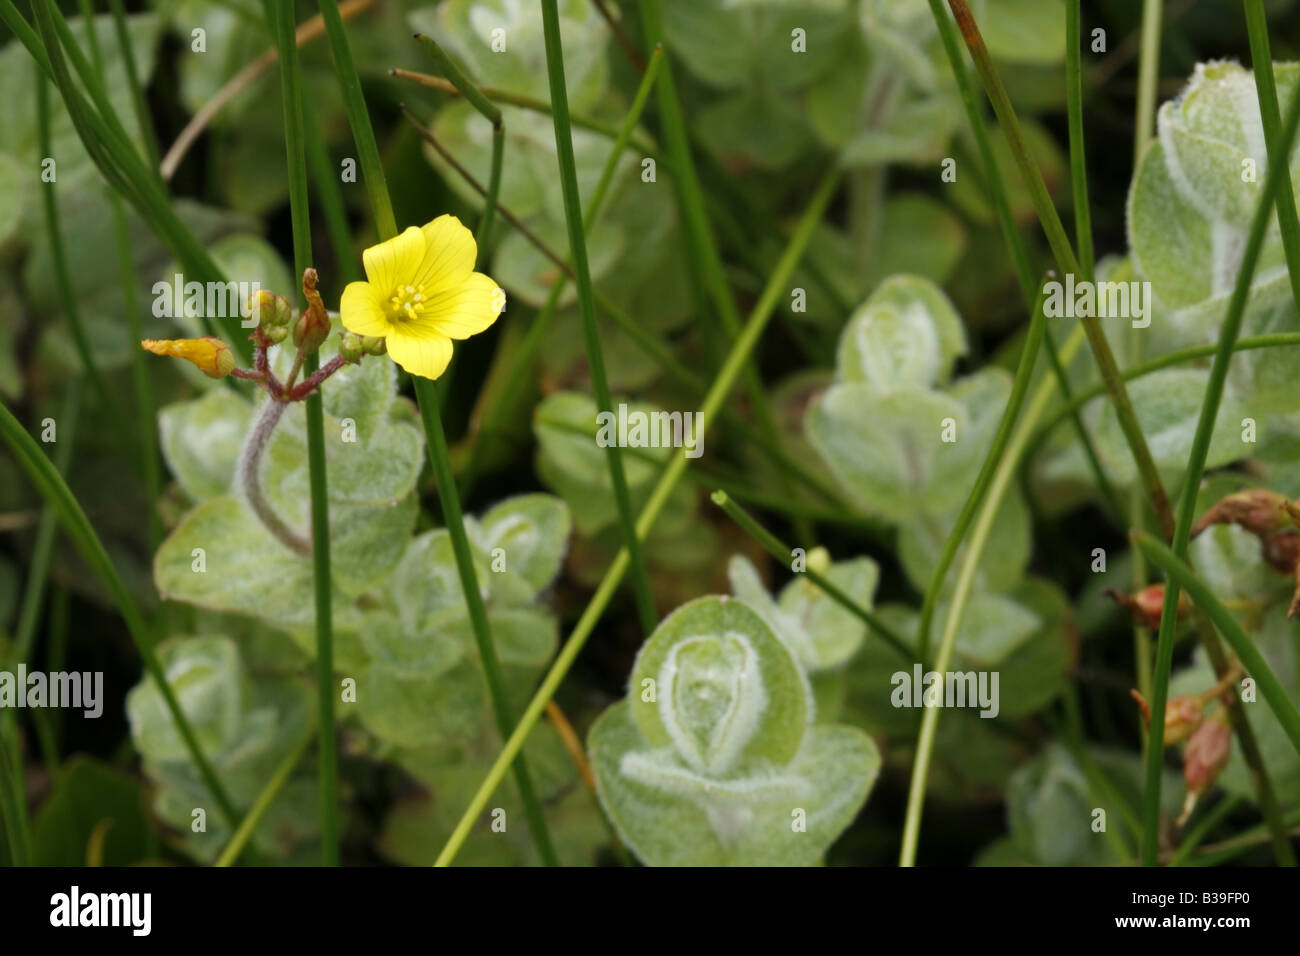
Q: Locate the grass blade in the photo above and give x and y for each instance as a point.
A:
(994, 473)
(1061, 250)
(426, 392)
(1271, 118)
(283, 27)
(363, 133)
(586, 305)
(56, 492)
(262, 804)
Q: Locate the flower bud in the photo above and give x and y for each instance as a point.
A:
(1205, 757)
(819, 560)
(271, 310)
(276, 334)
(1183, 715)
(350, 347)
(374, 344)
(210, 355)
(1147, 604)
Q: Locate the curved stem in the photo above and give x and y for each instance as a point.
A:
(248, 475)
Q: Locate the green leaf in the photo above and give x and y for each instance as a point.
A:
(1168, 404)
(906, 334)
(571, 462)
(532, 531)
(201, 440)
(713, 760)
(91, 798)
(723, 691)
(208, 678)
(668, 816)
(415, 710)
(820, 633)
(245, 568)
(515, 58)
(884, 447)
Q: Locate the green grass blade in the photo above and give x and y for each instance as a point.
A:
(1061, 249)
(283, 27)
(138, 103)
(1078, 162)
(59, 259)
(1148, 77)
(426, 392)
(995, 465)
(699, 233)
(430, 411)
(718, 393)
(528, 348)
(363, 133)
(1029, 288)
(247, 826)
(1278, 169)
(587, 307)
(1270, 116)
(150, 465)
(118, 162)
(56, 492)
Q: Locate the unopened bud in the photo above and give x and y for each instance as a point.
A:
(350, 347)
(210, 355)
(1183, 715)
(1204, 758)
(271, 310)
(819, 560)
(374, 344)
(276, 334)
(1147, 605)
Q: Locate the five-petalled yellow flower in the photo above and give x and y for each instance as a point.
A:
(420, 293)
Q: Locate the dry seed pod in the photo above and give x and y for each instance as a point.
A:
(1258, 510)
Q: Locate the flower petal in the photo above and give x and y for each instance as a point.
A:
(465, 310)
(449, 254)
(395, 261)
(361, 310)
(425, 355)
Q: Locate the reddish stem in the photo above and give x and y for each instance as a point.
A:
(307, 385)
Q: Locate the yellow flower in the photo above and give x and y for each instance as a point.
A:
(421, 292)
(212, 356)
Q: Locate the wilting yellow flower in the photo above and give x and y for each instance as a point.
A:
(212, 356)
(421, 292)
